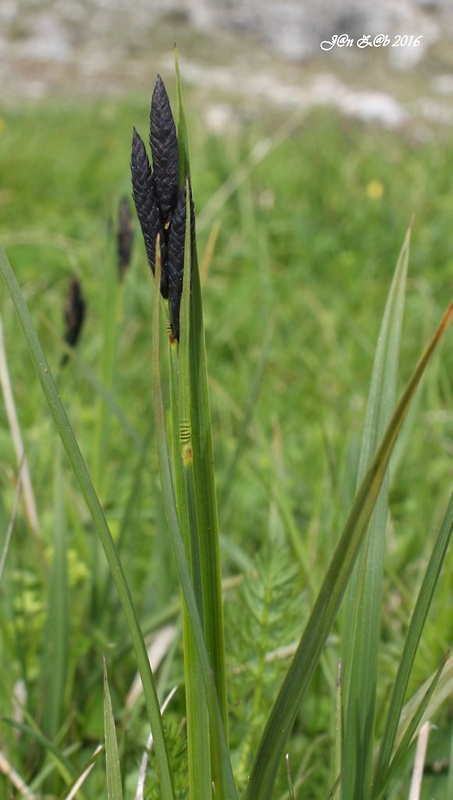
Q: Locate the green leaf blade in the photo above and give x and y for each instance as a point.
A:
(412, 641)
(112, 760)
(225, 786)
(363, 597)
(56, 644)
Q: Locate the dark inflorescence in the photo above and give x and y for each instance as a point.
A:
(160, 201)
(74, 315)
(124, 237)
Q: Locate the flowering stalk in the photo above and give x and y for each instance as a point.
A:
(163, 198)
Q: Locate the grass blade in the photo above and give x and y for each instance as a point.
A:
(140, 791)
(207, 515)
(196, 376)
(411, 644)
(194, 517)
(80, 471)
(285, 710)
(226, 787)
(56, 641)
(198, 739)
(194, 386)
(112, 760)
(410, 729)
(10, 528)
(338, 735)
(443, 691)
(363, 597)
(13, 422)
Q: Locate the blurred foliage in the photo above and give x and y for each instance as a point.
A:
(307, 242)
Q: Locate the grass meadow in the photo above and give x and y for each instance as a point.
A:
(300, 223)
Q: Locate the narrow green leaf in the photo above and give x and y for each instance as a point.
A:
(385, 368)
(450, 770)
(206, 494)
(443, 692)
(285, 710)
(10, 528)
(338, 736)
(225, 787)
(203, 735)
(363, 597)
(80, 471)
(201, 474)
(112, 759)
(409, 732)
(413, 637)
(56, 641)
(335, 790)
(198, 738)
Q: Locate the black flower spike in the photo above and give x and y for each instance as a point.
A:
(160, 204)
(74, 315)
(124, 237)
(164, 150)
(148, 212)
(176, 241)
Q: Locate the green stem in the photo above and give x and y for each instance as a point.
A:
(224, 785)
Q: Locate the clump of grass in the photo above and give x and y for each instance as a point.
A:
(291, 593)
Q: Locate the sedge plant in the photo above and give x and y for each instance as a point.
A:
(367, 758)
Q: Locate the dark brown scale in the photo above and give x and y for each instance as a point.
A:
(176, 244)
(164, 151)
(124, 237)
(74, 315)
(144, 194)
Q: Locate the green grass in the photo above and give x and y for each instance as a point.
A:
(306, 249)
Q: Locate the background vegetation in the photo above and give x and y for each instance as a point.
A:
(306, 244)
